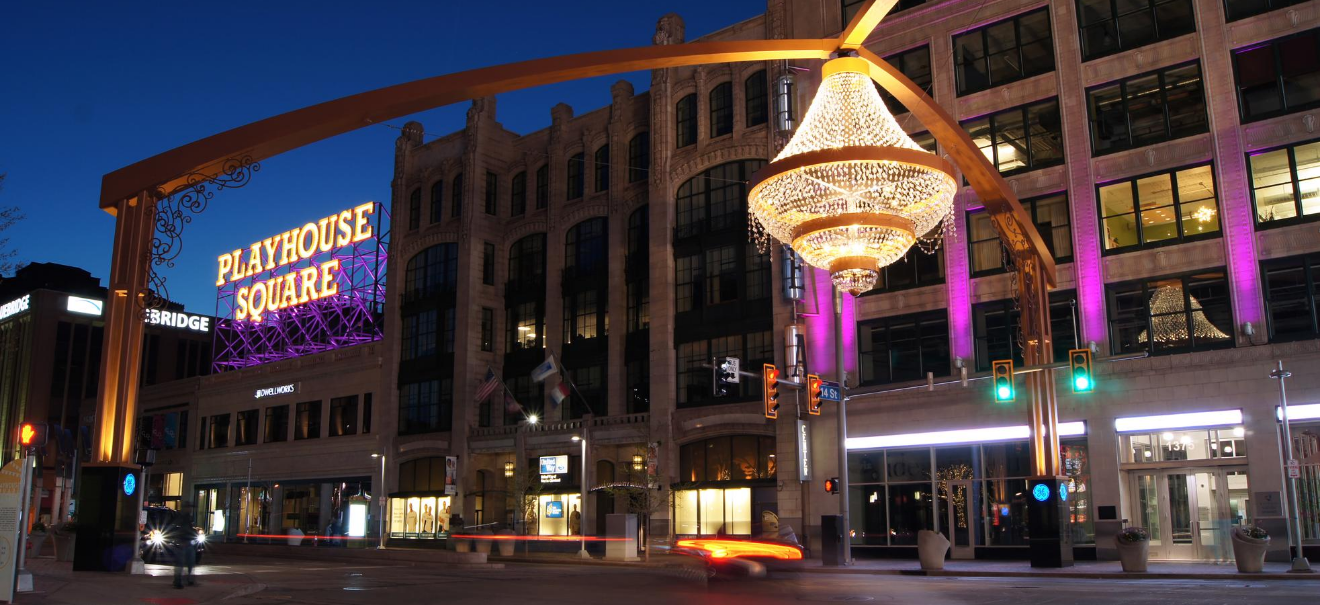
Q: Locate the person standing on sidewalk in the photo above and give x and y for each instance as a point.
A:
(180, 536)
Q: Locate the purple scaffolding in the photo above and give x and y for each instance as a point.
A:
(353, 316)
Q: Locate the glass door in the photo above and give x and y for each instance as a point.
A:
(1147, 511)
(1177, 488)
(959, 519)
(1190, 512)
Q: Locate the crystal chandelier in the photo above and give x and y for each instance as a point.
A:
(851, 192)
(1170, 324)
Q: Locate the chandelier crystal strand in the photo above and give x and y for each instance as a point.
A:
(1170, 324)
(851, 192)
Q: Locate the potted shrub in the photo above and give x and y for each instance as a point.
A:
(1249, 546)
(506, 544)
(931, 547)
(64, 536)
(1133, 545)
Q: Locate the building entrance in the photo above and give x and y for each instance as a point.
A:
(1189, 511)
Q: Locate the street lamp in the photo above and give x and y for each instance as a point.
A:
(638, 462)
(532, 419)
(380, 493)
(1299, 562)
(582, 499)
(508, 469)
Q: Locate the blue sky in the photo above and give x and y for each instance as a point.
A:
(89, 87)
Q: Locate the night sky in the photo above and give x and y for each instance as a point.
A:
(90, 87)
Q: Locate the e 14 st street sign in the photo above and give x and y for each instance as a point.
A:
(830, 391)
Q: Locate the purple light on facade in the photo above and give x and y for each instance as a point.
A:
(958, 276)
(1243, 265)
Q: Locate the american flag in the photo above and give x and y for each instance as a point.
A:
(488, 386)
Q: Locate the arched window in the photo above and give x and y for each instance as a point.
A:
(602, 168)
(437, 196)
(527, 259)
(756, 101)
(584, 246)
(685, 121)
(518, 194)
(456, 198)
(431, 271)
(415, 209)
(577, 166)
(639, 157)
(542, 186)
(715, 199)
(721, 110)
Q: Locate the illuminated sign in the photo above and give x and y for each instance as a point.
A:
(84, 306)
(196, 323)
(551, 465)
(1063, 491)
(284, 389)
(16, 306)
(130, 484)
(804, 451)
(1041, 492)
(288, 284)
(554, 509)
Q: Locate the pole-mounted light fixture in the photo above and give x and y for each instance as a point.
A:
(508, 469)
(638, 462)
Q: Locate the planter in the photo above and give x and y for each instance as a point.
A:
(36, 541)
(508, 544)
(1249, 552)
(295, 537)
(63, 546)
(483, 544)
(931, 548)
(1133, 555)
(461, 545)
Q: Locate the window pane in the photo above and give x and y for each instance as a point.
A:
(1116, 205)
(1258, 82)
(1272, 187)
(1145, 110)
(1196, 200)
(909, 511)
(1045, 131)
(1299, 59)
(1307, 158)
(1186, 101)
(1010, 141)
(1155, 198)
(1109, 126)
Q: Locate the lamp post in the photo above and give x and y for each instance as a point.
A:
(582, 498)
(1299, 562)
(380, 494)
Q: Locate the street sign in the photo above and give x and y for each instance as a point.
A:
(1294, 470)
(830, 391)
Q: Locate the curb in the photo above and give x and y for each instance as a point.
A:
(1085, 575)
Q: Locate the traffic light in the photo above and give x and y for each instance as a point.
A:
(726, 375)
(1002, 375)
(832, 485)
(770, 394)
(813, 394)
(32, 434)
(1083, 381)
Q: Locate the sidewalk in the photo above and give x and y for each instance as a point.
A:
(55, 583)
(1022, 569)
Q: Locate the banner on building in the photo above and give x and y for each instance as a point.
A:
(11, 484)
(451, 475)
(171, 430)
(157, 431)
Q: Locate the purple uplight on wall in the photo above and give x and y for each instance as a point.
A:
(958, 277)
(1243, 264)
(820, 328)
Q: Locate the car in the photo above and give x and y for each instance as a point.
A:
(158, 536)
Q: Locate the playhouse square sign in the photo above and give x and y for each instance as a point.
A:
(270, 267)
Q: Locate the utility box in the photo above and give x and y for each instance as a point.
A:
(831, 540)
(622, 533)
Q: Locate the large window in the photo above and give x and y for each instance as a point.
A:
(582, 315)
(1050, 216)
(1291, 290)
(1285, 183)
(542, 186)
(1241, 9)
(1278, 77)
(492, 193)
(721, 109)
(1110, 26)
(904, 347)
(414, 209)
(638, 270)
(639, 157)
(694, 376)
(307, 425)
(426, 406)
(997, 326)
(577, 166)
(685, 121)
(713, 277)
(715, 199)
(456, 197)
(487, 329)
(1020, 139)
(1146, 109)
(343, 416)
(915, 64)
(218, 433)
(431, 271)
(518, 194)
(418, 336)
(584, 247)
(1171, 315)
(524, 327)
(245, 431)
(601, 168)
(437, 199)
(1003, 52)
(527, 260)
(1160, 209)
(917, 268)
(730, 458)
(756, 99)
(277, 424)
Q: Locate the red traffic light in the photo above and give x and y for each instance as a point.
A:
(832, 485)
(32, 434)
(813, 394)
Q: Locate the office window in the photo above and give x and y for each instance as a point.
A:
(1290, 297)
(542, 186)
(687, 280)
(917, 268)
(715, 199)
(1020, 139)
(426, 406)
(1048, 213)
(639, 157)
(492, 193)
(218, 433)
(524, 327)
(1171, 315)
(639, 233)
(1146, 109)
(576, 168)
(997, 328)
(915, 64)
(685, 125)
(905, 347)
(437, 197)
(277, 424)
(415, 209)
(602, 169)
(1278, 77)
(487, 329)
(307, 425)
(418, 337)
(721, 109)
(756, 99)
(757, 273)
(693, 371)
(456, 197)
(527, 260)
(721, 272)
(584, 247)
(488, 263)
(1110, 26)
(343, 416)
(450, 329)
(580, 317)
(1007, 51)
(518, 194)
(366, 413)
(1159, 209)
(1285, 183)
(245, 430)
(1241, 9)
(431, 271)
(639, 305)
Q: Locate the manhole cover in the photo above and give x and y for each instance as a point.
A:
(836, 598)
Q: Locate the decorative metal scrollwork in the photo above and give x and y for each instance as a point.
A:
(175, 210)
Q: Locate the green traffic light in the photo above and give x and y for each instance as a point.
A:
(1082, 383)
(1004, 392)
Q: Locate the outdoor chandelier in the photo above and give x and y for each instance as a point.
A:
(851, 192)
(1169, 322)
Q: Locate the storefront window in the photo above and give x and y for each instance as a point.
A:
(909, 512)
(558, 515)
(1195, 444)
(714, 511)
(420, 517)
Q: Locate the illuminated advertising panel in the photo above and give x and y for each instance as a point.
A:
(308, 289)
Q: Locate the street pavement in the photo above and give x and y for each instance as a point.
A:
(257, 580)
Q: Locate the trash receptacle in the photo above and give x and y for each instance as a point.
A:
(831, 540)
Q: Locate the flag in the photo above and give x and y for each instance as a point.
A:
(559, 393)
(543, 371)
(510, 404)
(487, 387)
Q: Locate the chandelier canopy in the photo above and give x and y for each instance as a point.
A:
(851, 192)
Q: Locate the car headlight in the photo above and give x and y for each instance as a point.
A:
(155, 537)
